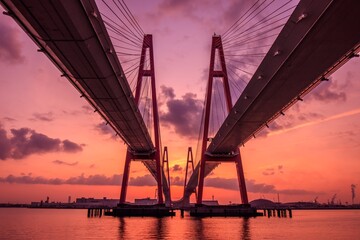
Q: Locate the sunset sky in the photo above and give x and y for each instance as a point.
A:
(53, 144)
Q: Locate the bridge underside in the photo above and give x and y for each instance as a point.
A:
(72, 34)
(318, 38)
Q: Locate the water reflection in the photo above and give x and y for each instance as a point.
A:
(143, 227)
(245, 234)
(219, 228)
(186, 228)
(73, 224)
(200, 230)
(160, 230)
(122, 228)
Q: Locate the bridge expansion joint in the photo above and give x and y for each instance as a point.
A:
(143, 155)
(222, 157)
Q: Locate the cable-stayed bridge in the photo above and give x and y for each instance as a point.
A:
(315, 39)
(318, 38)
(73, 35)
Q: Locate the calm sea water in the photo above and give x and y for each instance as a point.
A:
(22, 223)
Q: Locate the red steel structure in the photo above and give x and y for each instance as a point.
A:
(234, 156)
(189, 160)
(147, 48)
(165, 163)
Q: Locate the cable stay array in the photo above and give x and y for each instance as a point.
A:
(272, 60)
(249, 38)
(126, 35)
(271, 49)
(245, 44)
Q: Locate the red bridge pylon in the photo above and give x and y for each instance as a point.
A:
(147, 48)
(189, 160)
(166, 170)
(236, 158)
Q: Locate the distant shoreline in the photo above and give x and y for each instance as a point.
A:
(74, 206)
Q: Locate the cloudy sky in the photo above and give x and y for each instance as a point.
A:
(53, 144)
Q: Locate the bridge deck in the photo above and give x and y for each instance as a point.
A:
(317, 39)
(308, 49)
(72, 34)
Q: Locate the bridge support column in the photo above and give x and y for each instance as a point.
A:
(144, 72)
(241, 179)
(125, 179)
(217, 45)
(189, 160)
(165, 164)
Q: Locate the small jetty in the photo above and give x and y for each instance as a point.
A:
(234, 210)
(278, 212)
(96, 212)
(131, 210)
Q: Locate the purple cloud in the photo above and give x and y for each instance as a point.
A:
(146, 180)
(289, 121)
(328, 92)
(97, 179)
(87, 109)
(204, 13)
(105, 129)
(60, 162)
(251, 185)
(235, 10)
(5, 145)
(25, 142)
(269, 171)
(94, 180)
(69, 146)
(176, 168)
(9, 119)
(176, 181)
(168, 92)
(79, 180)
(309, 116)
(273, 170)
(10, 45)
(183, 114)
(281, 169)
(28, 179)
(176, 7)
(224, 183)
(46, 117)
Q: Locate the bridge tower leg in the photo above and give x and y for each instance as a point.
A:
(189, 160)
(147, 48)
(165, 164)
(217, 45)
(125, 180)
